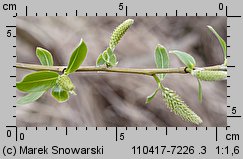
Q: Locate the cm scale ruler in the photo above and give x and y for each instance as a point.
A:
(120, 142)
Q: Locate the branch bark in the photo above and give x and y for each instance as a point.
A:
(150, 72)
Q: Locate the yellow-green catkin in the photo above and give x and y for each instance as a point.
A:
(65, 83)
(176, 105)
(210, 75)
(119, 32)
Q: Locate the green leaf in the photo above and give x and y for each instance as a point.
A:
(112, 61)
(37, 81)
(186, 58)
(100, 61)
(105, 56)
(151, 97)
(77, 57)
(29, 98)
(199, 90)
(109, 57)
(221, 41)
(59, 94)
(161, 59)
(44, 56)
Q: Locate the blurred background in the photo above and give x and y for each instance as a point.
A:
(111, 99)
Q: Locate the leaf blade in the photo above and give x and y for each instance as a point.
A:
(185, 58)
(100, 61)
(221, 41)
(29, 98)
(44, 56)
(37, 81)
(200, 96)
(151, 97)
(59, 94)
(77, 57)
(161, 59)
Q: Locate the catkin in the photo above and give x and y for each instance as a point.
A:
(65, 83)
(210, 75)
(119, 32)
(176, 105)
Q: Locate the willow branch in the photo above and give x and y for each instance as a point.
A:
(150, 72)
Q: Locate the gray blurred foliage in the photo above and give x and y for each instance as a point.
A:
(110, 99)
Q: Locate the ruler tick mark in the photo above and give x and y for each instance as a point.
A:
(26, 10)
(216, 133)
(234, 116)
(10, 26)
(126, 10)
(226, 11)
(116, 133)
